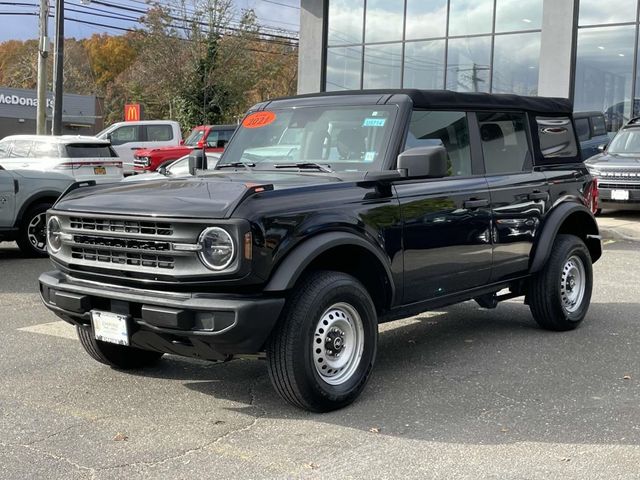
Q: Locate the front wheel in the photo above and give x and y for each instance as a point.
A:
(322, 352)
(32, 237)
(559, 295)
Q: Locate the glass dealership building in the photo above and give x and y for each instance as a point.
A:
(586, 50)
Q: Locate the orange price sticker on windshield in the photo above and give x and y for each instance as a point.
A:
(258, 119)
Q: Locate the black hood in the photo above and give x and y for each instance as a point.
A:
(211, 196)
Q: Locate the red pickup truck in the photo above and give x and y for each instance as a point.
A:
(215, 136)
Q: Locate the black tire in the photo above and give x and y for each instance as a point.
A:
(116, 356)
(550, 292)
(33, 241)
(291, 347)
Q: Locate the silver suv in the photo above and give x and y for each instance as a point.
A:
(25, 197)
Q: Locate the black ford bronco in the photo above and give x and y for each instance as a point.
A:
(327, 215)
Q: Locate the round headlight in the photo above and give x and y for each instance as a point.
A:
(218, 249)
(54, 234)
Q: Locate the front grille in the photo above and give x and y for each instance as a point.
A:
(620, 175)
(107, 256)
(620, 186)
(122, 243)
(121, 226)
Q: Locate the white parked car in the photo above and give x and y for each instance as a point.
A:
(127, 137)
(83, 158)
(177, 169)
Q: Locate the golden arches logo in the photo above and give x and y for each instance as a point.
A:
(132, 112)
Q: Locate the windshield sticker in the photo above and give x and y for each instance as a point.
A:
(374, 122)
(258, 119)
(369, 157)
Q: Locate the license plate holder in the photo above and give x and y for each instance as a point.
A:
(110, 327)
(99, 170)
(619, 194)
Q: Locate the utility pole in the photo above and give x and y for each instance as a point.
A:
(58, 70)
(43, 53)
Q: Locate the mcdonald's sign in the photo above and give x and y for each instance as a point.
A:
(132, 112)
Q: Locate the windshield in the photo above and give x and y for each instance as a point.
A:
(626, 141)
(352, 138)
(193, 138)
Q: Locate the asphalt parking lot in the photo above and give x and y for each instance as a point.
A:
(460, 393)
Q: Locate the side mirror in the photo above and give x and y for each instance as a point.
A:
(163, 170)
(197, 161)
(602, 148)
(424, 162)
(181, 142)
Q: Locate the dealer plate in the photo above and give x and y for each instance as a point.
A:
(110, 327)
(619, 194)
(100, 170)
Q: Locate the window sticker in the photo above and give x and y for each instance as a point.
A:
(374, 122)
(369, 157)
(258, 119)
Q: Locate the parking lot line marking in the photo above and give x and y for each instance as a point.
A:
(56, 329)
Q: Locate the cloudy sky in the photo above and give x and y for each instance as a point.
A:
(271, 13)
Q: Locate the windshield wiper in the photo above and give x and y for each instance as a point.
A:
(305, 165)
(245, 165)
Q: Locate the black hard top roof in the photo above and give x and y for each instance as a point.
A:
(446, 99)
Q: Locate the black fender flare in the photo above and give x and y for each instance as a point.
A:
(34, 199)
(287, 273)
(552, 226)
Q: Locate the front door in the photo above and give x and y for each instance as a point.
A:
(7, 199)
(446, 222)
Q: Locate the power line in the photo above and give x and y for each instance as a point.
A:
(281, 4)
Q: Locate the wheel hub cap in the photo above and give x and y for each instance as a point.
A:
(338, 343)
(37, 232)
(572, 284)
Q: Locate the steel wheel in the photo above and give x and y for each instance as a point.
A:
(338, 343)
(37, 232)
(572, 284)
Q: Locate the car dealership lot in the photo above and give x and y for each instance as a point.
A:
(462, 393)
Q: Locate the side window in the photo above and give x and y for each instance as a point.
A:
(557, 138)
(159, 133)
(582, 128)
(212, 138)
(4, 149)
(599, 127)
(21, 148)
(449, 129)
(45, 149)
(127, 133)
(504, 142)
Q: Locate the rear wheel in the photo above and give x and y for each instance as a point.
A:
(322, 352)
(116, 356)
(559, 295)
(32, 237)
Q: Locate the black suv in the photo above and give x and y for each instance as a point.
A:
(327, 215)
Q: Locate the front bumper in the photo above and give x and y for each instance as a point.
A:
(605, 189)
(209, 326)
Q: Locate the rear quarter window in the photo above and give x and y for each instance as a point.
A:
(87, 150)
(557, 137)
(45, 149)
(598, 125)
(159, 133)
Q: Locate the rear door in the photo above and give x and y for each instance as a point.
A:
(446, 221)
(519, 195)
(89, 161)
(7, 198)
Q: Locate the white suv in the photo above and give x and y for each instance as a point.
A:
(127, 137)
(83, 158)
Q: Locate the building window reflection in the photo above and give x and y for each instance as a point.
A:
(457, 44)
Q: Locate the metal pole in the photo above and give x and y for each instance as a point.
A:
(58, 70)
(43, 53)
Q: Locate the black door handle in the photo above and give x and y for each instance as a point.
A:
(538, 195)
(476, 203)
